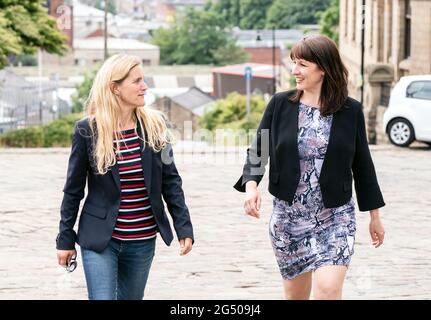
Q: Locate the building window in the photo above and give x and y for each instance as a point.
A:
(346, 16)
(408, 29)
(389, 31)
(419, 90)
(371, 24)
(354, 21)
(385, 93)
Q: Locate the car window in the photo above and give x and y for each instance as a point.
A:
(419, 90)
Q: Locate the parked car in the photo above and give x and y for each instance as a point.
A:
(408, 117)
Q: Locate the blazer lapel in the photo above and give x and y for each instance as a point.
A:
(333, 133)
(288, 136)
(147, 157)
(116, 175)
(293, 123)
(288, 125)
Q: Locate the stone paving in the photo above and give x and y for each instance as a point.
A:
(232, 257)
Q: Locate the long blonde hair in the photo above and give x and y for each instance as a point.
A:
(103, 111)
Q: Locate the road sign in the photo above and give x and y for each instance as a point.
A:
(248, 73)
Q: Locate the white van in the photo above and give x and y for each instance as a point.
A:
(408, 117)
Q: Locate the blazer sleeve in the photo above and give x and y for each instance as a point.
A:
(173, 195)
(258, 152)
(367, 188)
(73, 190)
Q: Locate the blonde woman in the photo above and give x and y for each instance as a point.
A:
(123, 149)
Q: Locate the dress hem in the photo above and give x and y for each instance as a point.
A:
(314, 269)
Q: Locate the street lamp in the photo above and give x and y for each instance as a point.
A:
(274, 75)
(273, 62)
(105, 31)
(362, 50)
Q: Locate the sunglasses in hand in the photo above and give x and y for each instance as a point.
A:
(72, 264)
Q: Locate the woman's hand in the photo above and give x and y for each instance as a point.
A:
(377, 232)
(64, 257)
(185, 246)
(252, 199)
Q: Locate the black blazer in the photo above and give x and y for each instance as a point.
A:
(100, 210)
(347, 152)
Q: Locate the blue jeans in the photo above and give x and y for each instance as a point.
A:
(120, 272)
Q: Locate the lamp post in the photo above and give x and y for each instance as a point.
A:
(105, 33)
(362, 50)
(274, 74)
(274, 82)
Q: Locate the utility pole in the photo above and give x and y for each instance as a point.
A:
(39, 68)
(363, 50)
(105, 34)
(274, 80)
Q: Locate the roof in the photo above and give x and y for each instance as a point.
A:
(174, 85)
(264, 38)
(82, 10)
(194, 100)
(16, 91)
(258, 70)
(113, 43)
(8, 78)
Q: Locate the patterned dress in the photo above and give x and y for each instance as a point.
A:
(306, 235)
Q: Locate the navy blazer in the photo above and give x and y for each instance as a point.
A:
(347, 153)
(100, 209)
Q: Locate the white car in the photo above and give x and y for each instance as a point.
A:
(408, 117)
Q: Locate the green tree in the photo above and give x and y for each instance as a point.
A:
(231, 113)
(229, 10)
(25, 26)
(100, 4)
(288, 13)
(199, 37)
(277, 17)
(230, 54)
(329, 20)
(83, 90)
(253, 13)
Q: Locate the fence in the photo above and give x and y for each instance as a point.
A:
(23, 103)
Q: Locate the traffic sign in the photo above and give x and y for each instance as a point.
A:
(248, 73)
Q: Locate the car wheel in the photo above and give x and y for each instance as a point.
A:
(401, 132)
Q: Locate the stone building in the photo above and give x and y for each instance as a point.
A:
(397, 43)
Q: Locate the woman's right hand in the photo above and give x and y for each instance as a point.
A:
(252, 199)
(64, 257)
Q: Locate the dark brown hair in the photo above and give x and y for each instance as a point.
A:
(323, 51)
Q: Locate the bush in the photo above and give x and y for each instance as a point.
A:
(230, 113)
(59, 133)
(83, 90)
(56, 134)
(23, 138)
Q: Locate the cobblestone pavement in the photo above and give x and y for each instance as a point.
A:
(232, 257)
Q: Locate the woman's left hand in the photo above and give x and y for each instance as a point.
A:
(377, 231)
(186, 246)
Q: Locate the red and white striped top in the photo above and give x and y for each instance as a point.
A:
(135, 219)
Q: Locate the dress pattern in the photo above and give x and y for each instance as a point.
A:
(306, 235)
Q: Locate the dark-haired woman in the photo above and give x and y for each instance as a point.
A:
(315, 139)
